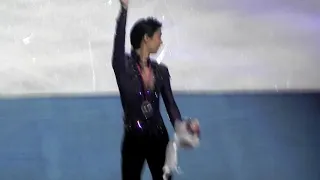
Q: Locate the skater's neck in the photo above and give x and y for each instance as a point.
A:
(144, 56)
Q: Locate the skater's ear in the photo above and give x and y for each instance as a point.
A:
(146, 38)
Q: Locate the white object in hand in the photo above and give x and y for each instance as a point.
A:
(182, 139)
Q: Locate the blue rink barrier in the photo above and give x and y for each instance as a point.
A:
(244, 137)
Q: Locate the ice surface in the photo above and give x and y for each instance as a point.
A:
(64, 46)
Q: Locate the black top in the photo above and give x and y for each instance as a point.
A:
(129, 81)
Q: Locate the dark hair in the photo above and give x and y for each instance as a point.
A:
(146, 26)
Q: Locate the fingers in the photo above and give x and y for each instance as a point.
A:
(124, 3)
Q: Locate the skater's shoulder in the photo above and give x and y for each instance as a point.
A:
(163, 68)
(129, 58)
(127, 55)
(160, 65)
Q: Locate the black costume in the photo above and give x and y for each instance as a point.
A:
(145, 138)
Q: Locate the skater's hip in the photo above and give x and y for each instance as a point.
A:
(149, 126)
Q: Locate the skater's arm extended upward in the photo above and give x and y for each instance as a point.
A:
(118, 56)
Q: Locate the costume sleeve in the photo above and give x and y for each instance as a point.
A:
(168, 99)
(118, 56)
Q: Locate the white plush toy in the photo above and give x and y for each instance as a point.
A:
(187, 135)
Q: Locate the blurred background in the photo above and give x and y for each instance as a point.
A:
(248, 69)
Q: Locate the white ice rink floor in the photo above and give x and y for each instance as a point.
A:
(64, 46)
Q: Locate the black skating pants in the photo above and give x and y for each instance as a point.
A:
(139, 147)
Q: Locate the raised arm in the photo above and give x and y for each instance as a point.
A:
(168, 99)
(118, 56)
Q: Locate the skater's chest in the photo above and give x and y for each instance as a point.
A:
(138, 81)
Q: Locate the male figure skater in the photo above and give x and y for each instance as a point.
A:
(141, 82)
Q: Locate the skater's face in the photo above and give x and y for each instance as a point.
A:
(153, 43)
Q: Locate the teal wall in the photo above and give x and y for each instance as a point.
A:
(244, 137)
